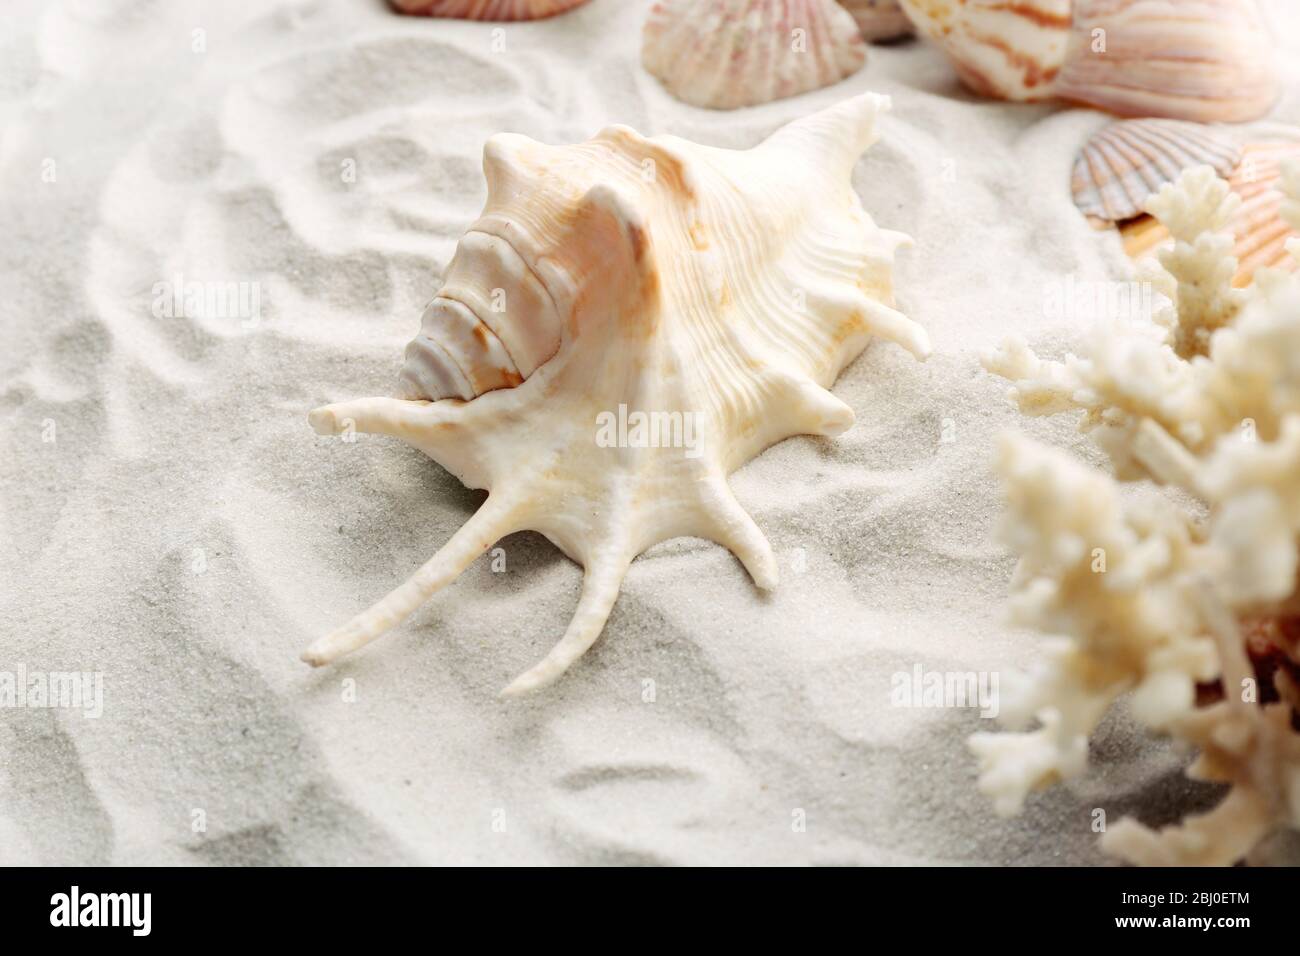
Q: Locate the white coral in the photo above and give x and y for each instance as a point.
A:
(1144, 598)
(1195, 210)
(1120, 579)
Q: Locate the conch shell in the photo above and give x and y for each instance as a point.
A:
(486, 9)
(724, 54)
(1200, 60)
(699, 302)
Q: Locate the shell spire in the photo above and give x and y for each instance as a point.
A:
(670, 310)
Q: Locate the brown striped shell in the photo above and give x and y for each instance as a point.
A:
(1009, 51)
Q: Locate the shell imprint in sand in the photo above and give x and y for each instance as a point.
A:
(631, 320)
(1127, 162)
(879, 20)
(486, 9)
(1009, 51)
(724, 54)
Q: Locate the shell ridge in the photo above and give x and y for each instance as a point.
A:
(1203, 61)
(477, 333)
(483, 329)
(753, 284)
(1122, 164)
(467, 340)
(725, 54)
(825, 59)
(417, 378)
(489, 226)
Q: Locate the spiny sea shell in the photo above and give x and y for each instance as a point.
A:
(879, 20)
(486, 9)
(1201, 60)
(720, 290)
(725, 54)
(1126, 162)
(1261, 233)
(1011, 51)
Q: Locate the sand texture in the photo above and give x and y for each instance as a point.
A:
(169, 519)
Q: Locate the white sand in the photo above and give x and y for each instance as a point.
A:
(187, 535)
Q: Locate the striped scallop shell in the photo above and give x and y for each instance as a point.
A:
(1009, 51)
(1201, 60)
(1259, 224)
(724, 54)
(1128, 161)
(486, 9)
(879, 20)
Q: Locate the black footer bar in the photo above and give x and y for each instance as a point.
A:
(346, 906)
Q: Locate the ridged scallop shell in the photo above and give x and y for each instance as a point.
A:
(879, 20)
(1201, 60)
(726, 288)
(486, 9)
(1009, 51)
(724, 54)
(1258, 226)
(1126, 162)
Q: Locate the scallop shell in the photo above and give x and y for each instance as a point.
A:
(486, 9)
(879, 20)
(721, 291)
(1126, 162)
(1201, 60)
(1009, 51)
(1259, 227)
(724, 54)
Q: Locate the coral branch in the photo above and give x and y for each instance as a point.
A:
(1194, 614)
